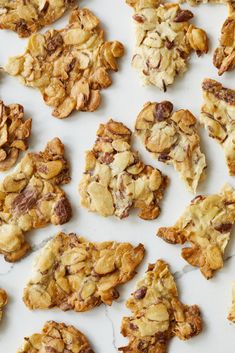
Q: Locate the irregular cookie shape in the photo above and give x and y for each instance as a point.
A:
(172, 138)
(158, 314)
(56, 337)
(28, 16)
(14, 134)
(218, 116)
(3, 301)
(69, 66)
(115, 179)
(231, 315)
(30, 198)
(206, 224)
(224, 55)
(73, 273)
(164, 40)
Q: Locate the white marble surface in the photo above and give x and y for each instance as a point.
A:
(123, 101)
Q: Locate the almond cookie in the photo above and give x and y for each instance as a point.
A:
(28, 16)
(14, 134)
(69, 66)
(164, 40)
(217, 115)
(3, 301)
(31, 198)
(115, 179)
(172, 138)
(231, 315)
(158, 314)
(206, 224)
(56, 337)
(224, 55)
(74, 274)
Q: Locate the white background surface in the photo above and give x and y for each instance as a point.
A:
(122, 101)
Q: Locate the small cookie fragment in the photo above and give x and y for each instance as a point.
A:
(158, 314)
(231, 315)
(56, 338)
(74, 274)
(164, 40)
(172, 138)
(3, 301)
(69, 66)
(206, 224)
(14, 134)
(224, 55)
(28, 16)
(115, 179)
(30, 198)
(217, 115)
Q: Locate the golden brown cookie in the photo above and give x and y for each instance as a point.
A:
(217, 115)
(74, 274)
(231, 315)
(164, 40)
(3, 301)
(116, 180)
(172, 138)
(14, 134)
(158, 314)
(206, 224)
(69, 66)
(56, 338)
(28, 16)
(31, 198)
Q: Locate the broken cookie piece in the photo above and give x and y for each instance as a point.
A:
(28, 16)
(172, 138)
(14, 134)
(69, 66)
(56, 337)
(74, 274)
(217, 115)
(224, 55)
(115, 179)
(206, 224)
(231, 315)
(164, 40)
(158, 314)
(198, 2)
(3, 301)
(30, 198)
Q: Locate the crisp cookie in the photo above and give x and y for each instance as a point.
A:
(198, 2)
(69, 66)
(74, 274)
(28, 16)
(30, 198)
(172, 138)
(56, 338)
(206, 224)
(217, 115)
(14, 134)
(115, 179)
(3, 301)
(231, 315)
(158, 314)
(164, 40)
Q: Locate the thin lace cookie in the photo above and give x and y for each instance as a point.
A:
(172, 138)
(75, 274)
(31, 198)
(116, 180)
(56, 337)
(231, 315)
(206, 224)
(164, 40)
(158, 314)
(217, 116)
(69, 66)
(14, 134)
(3, 301)
(28, 16)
